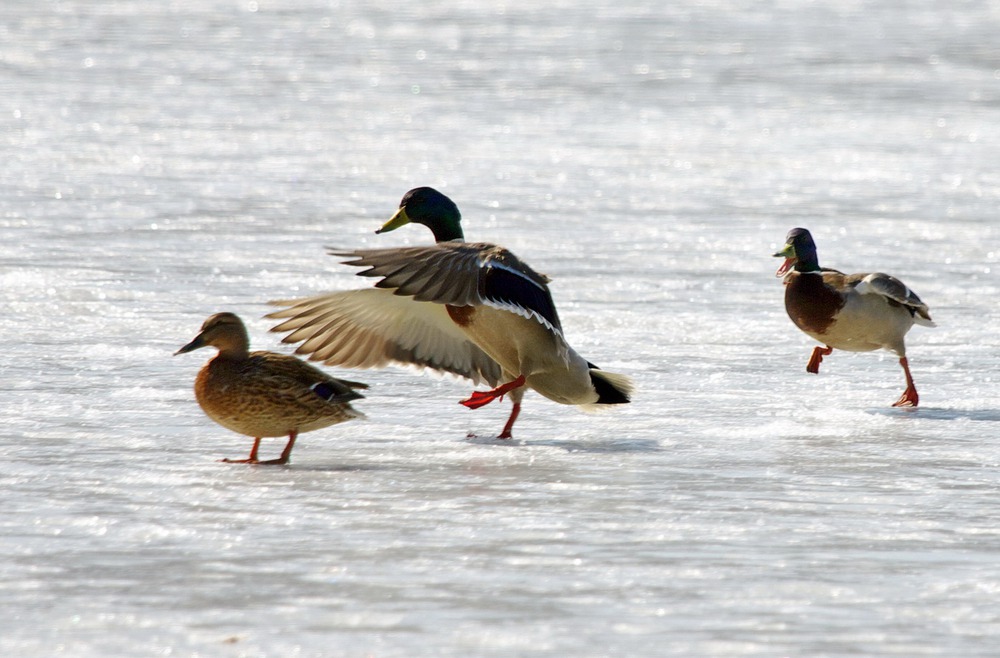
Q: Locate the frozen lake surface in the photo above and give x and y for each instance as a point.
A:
(164, 161)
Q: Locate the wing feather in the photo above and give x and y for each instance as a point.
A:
(373, 328)
(888, 286)
(461, 274)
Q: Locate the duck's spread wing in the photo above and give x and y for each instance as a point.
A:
(373, 328)
(461, 274)
(893, 289)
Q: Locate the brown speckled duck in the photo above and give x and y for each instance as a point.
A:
(471, 309)
(264, 393)
(852, 312)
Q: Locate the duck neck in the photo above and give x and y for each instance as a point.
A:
(447, 232)
(234, 348)
(809, 265)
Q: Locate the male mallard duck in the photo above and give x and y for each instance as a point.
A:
(471, 309)
(853, 312)
(263, 393)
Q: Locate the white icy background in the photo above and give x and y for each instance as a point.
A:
(164, 161)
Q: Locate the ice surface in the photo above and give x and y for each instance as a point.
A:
(164, 161)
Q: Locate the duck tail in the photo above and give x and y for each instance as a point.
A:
(611, 388)
(921, 316)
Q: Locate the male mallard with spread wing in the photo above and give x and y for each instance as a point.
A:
(471, 309)
(853, 312)
(264, 393)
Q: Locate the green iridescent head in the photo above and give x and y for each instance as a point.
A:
(799, 253)
(427, 206)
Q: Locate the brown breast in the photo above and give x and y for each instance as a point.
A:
(812, 300)
(461, 315)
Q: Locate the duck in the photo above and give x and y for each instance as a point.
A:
(851, 312)
(265, 394)
(472, 309)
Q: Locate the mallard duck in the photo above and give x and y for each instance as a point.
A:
(471, 309)
(852, 312)
(264, 393)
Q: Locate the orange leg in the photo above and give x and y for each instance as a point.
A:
(482, 398)
(817, 358)
(909, 397)
(252, 459)
(286, 453)
(506, 433)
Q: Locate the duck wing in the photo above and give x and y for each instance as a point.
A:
(294, 375)
(461, 274)
(373, 328)
(888, 286)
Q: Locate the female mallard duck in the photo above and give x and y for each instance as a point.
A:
(263, 393)
(471, 309)
(853, 312)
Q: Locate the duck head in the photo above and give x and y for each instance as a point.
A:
(223, 331)
(799, 252)
(427, 206)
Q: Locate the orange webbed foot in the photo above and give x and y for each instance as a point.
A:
(817, 358)
(482, 398)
